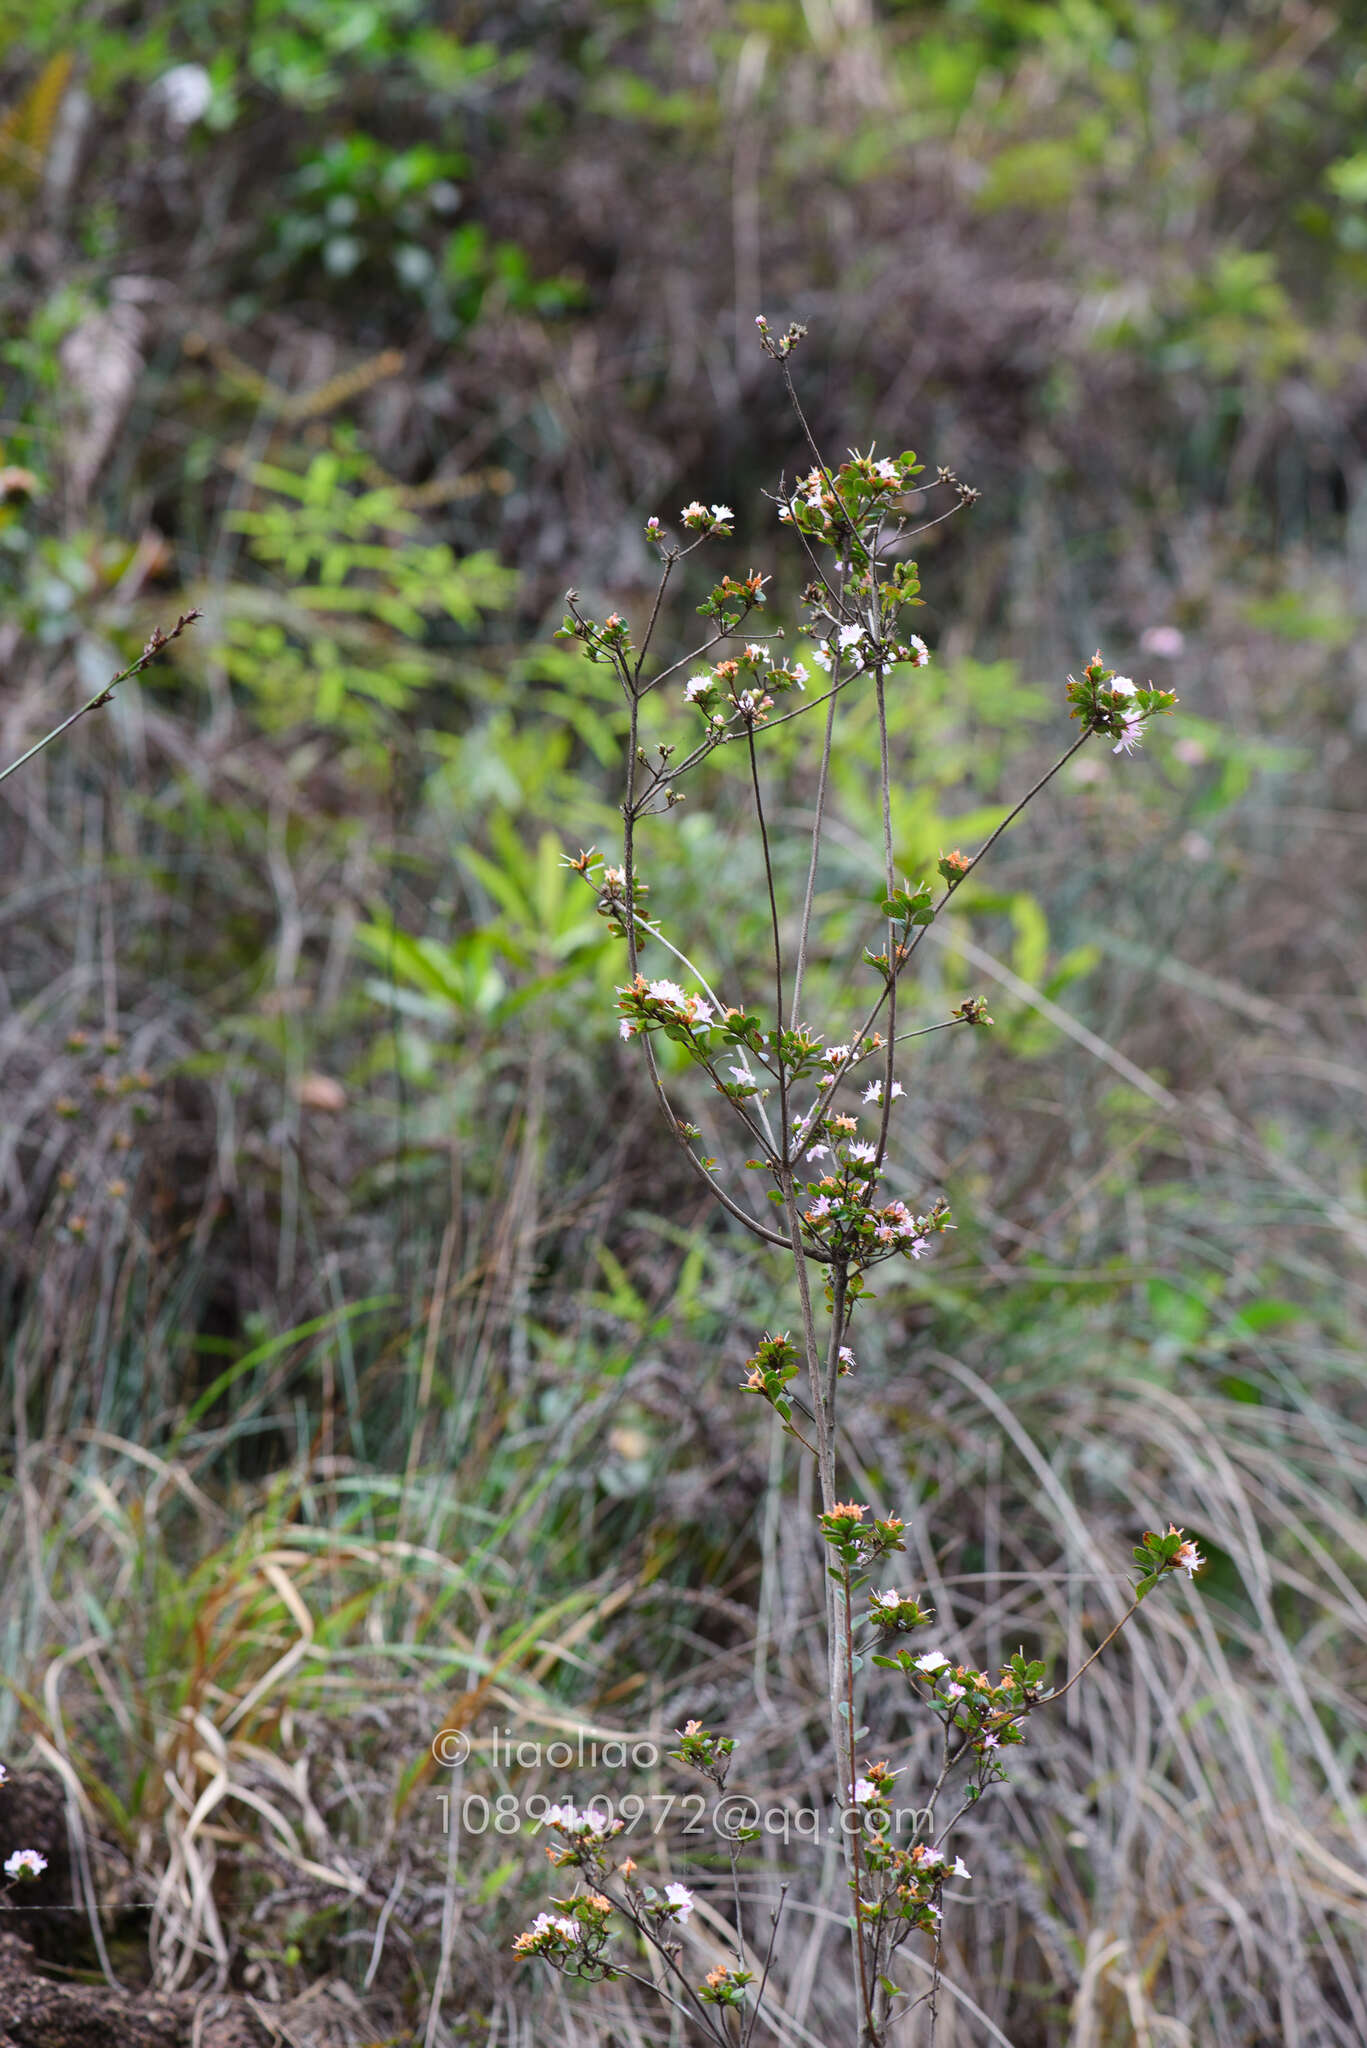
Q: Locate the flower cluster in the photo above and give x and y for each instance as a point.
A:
(1160, 1556)
(586, 1835)
(705, 518)
(729, 601)
(1113, 705)
(741, 689)
(662, 1005)
(774, 1363)
(705, 1751)
(610, 641)
(574, 1938)
(899, 1612)
(779, 346)
(843, 1210)
(725, 1985)
(852, 649)
(838, 507)
(896, 1884)
(858, 1547)
(906, 1883)
(985, 1712)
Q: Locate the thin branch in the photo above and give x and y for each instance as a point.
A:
(154, 647)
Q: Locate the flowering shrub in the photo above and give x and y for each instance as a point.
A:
(812, 1108)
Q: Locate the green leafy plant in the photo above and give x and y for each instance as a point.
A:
(342, 638)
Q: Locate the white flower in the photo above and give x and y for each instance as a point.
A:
(1189, 1559)
(920, 652)
(798, 672)
(850, 636)
(865, 1791)
(933, 1660)
(4, 1775)
(874, 1091)
(185, 92)
(570, 1821)
(959, 1868)
(742, 1077)
(931, 1859)
(681, 1899)
(834, 1054)
(847, 1360)
(720, 512)
(626, 1029)
(954, 1691)
(693, 512)
(887, 472)
(820, 1208)
(821, 656)
(697, 686)
(1131, 733)
(699, 1013)
(1121, 686)
(666, 992)
(25, 1863)
(862, 1153)
(817, 1152)
(548, 1923)
(755, 652)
